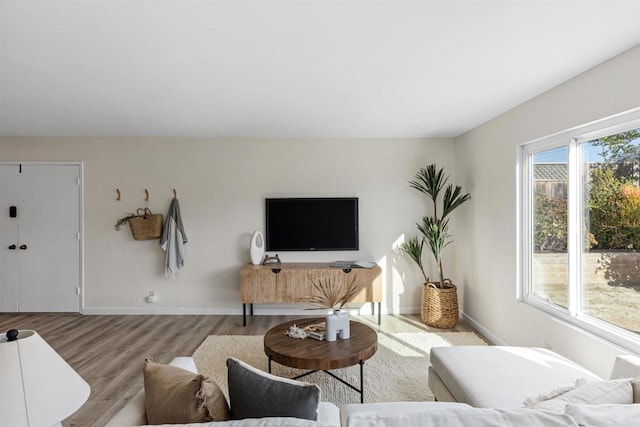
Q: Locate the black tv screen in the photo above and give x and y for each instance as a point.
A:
(312, 224)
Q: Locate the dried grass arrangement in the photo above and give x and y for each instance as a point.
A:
(331, 294)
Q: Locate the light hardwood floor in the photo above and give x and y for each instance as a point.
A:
(108, 351)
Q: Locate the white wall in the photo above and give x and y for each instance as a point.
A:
(486, 247)
(221, 186)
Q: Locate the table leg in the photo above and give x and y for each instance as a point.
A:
(244, 314)
(269, 364)
(362, 381)
(351, 386)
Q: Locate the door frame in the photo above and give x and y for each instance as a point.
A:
(80, 164)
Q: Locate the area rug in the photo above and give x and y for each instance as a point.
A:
(396, 373)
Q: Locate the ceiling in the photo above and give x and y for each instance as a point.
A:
(289, 69)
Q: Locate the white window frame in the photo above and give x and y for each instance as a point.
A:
(571, 138)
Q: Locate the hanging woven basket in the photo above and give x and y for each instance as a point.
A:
(440, 305)
(146, 225)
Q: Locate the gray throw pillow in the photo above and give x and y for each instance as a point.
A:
(257, 394)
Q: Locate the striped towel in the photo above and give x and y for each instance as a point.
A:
(172, 240)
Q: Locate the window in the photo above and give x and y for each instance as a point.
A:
(580, 232)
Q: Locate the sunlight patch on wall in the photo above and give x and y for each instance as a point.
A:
(397, 274)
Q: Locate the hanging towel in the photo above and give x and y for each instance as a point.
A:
(172, 240)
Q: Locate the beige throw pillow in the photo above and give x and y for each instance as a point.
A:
(176, 396)
(636, 390)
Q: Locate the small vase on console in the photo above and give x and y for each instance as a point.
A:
(256, 248)
(338, 325)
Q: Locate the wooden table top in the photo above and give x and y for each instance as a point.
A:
(309, 353)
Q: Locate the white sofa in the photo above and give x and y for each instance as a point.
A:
(467, 392)
(443, 414)
(504, 377)
(488, 385)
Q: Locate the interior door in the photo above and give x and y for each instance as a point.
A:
(48, 245)
(9, 230)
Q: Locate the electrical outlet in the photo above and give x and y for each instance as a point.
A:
(152, 297)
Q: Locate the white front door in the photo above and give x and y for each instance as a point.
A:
(43, 272)
(9, 238)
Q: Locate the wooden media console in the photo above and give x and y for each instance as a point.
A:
(293, 283)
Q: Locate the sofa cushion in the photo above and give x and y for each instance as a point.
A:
(352, 409)
(328, 413)
(175, 395)
(594, 393)
(257, 422)
(604, 415)
(503, 377)
(460, 417)
(256, 394)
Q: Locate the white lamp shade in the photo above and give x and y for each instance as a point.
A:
(37, 387)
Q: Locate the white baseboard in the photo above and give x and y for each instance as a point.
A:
(161, 310)
(481, 329)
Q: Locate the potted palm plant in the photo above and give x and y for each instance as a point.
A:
(439, 297)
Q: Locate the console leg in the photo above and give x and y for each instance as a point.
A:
(379, 313)
(251, 308)
(244, 314)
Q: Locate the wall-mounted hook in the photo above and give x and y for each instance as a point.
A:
(146, 195)
(175, 195)
(118, 196)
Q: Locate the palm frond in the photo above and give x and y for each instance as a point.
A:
(429, 181)
(331, 294)
(452, 199)
(436, 234)
(413, 247)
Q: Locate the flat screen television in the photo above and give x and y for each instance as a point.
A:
(312, 224)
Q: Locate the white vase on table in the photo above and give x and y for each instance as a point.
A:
(338, 325)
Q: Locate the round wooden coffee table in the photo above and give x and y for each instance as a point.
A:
(317, 355)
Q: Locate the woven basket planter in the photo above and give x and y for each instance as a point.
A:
(440, 306)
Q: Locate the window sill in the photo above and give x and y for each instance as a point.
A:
(613, 334)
